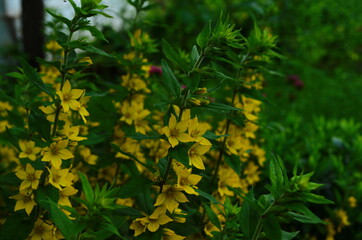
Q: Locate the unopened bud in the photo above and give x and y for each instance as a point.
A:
(200, 91)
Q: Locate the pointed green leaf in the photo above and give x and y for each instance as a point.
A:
(88, 191)
(272, 228)
(34, 77)
(170, 79)
(173, 56)
(212, 216)
(95, 32)
(204, 35)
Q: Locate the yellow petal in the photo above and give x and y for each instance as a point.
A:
(182, 126)
(160, 199)
(180, 197)
(66, 87)
(76, 93)
(172, 122)
(22, 145)
(21, 174)
(196, 161)
(153, 226)
(166, 131)
(173, 141)
(65, 154)
(184, 137)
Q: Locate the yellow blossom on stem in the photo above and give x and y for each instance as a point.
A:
(24, 200)
(28, 149)
(175, 131)
(30, 177)
(83, 112)
(170, 197)
(187, 181)
(195, 153)
(42, 231)
(168, 234)
(87, 156)
(64, 195)
(57, 152)
(152, 222)
(69, 97)
(352, 202)
(72, 133)
(343, 219)
(197, 130)
(60, 177)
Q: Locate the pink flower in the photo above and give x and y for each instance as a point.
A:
(155, 70)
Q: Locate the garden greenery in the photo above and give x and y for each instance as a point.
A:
(168, 152)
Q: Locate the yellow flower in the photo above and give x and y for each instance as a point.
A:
(139, 226)
(50, 111)
(56, 152)
(168, 234)
(64, 195)
(24, 200)
(209, 228)
(30, 177)
(196, 130)
(72, 133)
(343, 219)
(68, 97)
(175, 131)
(352, 202)
(187, 181)
(41, 231)
(171, 196)
(87, 156)
(252, 173)
(4, 108)
(195, 153)
(28, 149)
(60, 177)
(83, 112)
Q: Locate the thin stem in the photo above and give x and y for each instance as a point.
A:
(168, 169)
(222, 150)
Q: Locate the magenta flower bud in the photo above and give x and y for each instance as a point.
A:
(155, 70)
(299, 84)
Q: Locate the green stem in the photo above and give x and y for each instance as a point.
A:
(63, 71)
(168, 169)
(222, 150)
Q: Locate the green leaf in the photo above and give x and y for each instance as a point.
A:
(68, 228)
(173, 56)
(277, 175)
(33, 77)
(95, 33)
(59, 18)
(95, 50)
(213, 136)
(304, 215)
(87, 189)
(289, 235)
(207, 196)
(212, 216)
(16, 75)
(272, 228)
(127, 211)
(162, 164)
(17, 226)
(180, 153)
(204, 35)
(118, 149)
(134, 187)
(170, 80)
(38, 123)
(234, 162)
(9, 179)
(194, 54)
(192, 81)
(314, 198)
(221, 107)
(249, 216)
